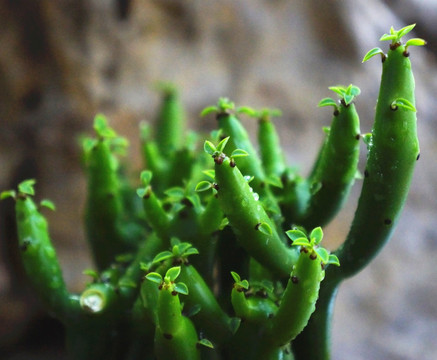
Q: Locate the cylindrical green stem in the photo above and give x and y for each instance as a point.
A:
(39, 257)
(247, 216)
(335, 170)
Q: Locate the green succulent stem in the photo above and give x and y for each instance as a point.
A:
(247, 216)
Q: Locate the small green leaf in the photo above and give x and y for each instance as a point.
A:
(154, 277)
(239, 153)
(326, 130)
(142, 192)
(210, 173)
(353, 90)
(388, 37)
(348, 99)
(208, 110)
(266, 113)
(404, 31)
(163, 255)
(172, 273)
(206, 343)
(203, 186)
(181, 248)
(209, 147)
(26, 187)
(264, 228)
(224, 104)
(127, 283)
(247, 110)
(191, 251)
(367, 138)
(175, 193)
(236, 276)
(101, 127)
(415, 42)
(404, 104)
(339, 90)
(263, 285)
(224, 223)
(244, 284)
(181, 288)
(327, 102)
(316, 235)
(333, 260)
(295, 234)
(145, 266)
(146, 177)
(238, 282)
(372, 53)
(90, 272)
(88, 144)
(195, 309)
(275, 181)
(48, 204)
(195, 200)
(7, 194)
(323, 254)
(222, 144)
(301, 242)
(124, 258)
(174, 241)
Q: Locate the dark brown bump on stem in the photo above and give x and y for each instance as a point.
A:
(344, 103)
(232, 163)
(366, 173)
(168, 336)
(406, 53)
(336, 112)
(219, 159)
(294, 279)
(25, 245)
(257, 226)
(313, 256)
(357, 136)
(395, 46)
(387, 221)
(418, 156)
(148, 193)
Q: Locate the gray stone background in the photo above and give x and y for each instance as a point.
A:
(62, 61)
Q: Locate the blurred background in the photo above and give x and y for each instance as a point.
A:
(62, 61)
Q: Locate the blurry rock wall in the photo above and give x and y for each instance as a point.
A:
(63, 61)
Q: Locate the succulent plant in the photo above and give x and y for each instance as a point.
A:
(217, 255)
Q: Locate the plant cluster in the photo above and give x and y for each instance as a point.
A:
(217, 255)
